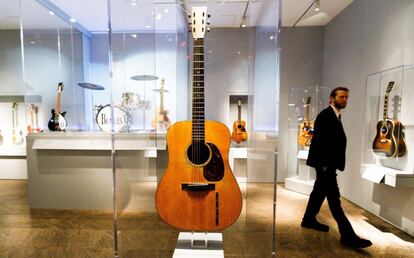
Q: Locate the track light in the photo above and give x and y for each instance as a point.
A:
(317, 5)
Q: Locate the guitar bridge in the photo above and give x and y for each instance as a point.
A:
(198, 187)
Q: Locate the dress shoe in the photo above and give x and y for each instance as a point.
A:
(314, 224)
(356, 242)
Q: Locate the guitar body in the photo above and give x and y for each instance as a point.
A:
(57, 122)
(239, 133)
(198, 206)
(389, 138)
(162, 121)
(305, 133)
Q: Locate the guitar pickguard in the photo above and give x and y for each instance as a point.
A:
(214, 170)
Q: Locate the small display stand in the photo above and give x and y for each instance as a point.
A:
(200, 245)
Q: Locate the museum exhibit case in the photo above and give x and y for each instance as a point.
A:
(388, 128)
(92, 108)
(304, 105)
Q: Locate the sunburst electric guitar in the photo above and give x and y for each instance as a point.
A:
(306, 127)
(239, 133)
(389, 139)
(198, 191)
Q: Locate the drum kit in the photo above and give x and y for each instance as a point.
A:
(130, 101)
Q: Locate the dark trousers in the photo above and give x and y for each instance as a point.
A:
(327, 186)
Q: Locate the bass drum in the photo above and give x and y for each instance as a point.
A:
(122, 119)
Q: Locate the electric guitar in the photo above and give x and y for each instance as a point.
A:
(306, 127)
(389, 139)
(33, 126)
(198, 191)
(239, 133)
(161, 122)
(17, 134)
(58, 122)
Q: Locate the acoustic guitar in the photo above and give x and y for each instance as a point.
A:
(389, 139)
(57, 122)
(306, 127)
(198, 191)
(161, 122)
(239, 133)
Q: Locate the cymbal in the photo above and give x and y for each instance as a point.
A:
(160, 90)
(144, 77)
(91, 86)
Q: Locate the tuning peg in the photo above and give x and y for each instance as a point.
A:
(189, 29)
(208, 15)
(208, 22)
(208, 29)
(189, 15)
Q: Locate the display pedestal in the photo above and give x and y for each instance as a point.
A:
(208, 245)
(74, 170)
(303, 182)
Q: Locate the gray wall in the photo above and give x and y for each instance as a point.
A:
(10, 62)
(301, 66)
(369, 36)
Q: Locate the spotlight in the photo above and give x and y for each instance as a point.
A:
(317, 5)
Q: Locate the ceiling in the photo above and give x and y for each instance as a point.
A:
(133, 15)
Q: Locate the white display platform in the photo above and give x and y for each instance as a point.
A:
(392, 177)
(200, 245)
(73, 170)
(303, 182)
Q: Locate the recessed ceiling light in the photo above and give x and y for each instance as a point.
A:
(51, 13)
(72, 20)
(32, 42)
(271, 37)
(165, 10)
(147, 27)
(133, 4)
(158, 16)
(134, 36)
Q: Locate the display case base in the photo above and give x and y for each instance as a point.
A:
(298, 185)
(388, 176)
(208, 245)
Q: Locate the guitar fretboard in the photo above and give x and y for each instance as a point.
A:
(198, 119)
(385, 115)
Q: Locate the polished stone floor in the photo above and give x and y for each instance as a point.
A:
(29, 233)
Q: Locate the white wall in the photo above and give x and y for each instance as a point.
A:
(369, 36)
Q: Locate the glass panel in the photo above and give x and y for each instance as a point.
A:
(69, 168)
(385, 139)
(234, 68)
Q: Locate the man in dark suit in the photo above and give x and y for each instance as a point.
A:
(326, 155)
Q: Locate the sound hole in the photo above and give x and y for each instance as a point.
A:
(198, 153)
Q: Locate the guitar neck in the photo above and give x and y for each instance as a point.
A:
(198, 119)
(385, 115)
(239, 113)
(162, 100)
(307, 112)
(58, 102)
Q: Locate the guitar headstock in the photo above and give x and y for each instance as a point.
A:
(199, 21)
(162, 83)
(239, 102)
(308, 100)
(389, 87)
(14, 106)
(60, 87)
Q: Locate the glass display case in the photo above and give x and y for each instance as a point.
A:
(96, 106)
(389, 127)
(304, 105)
